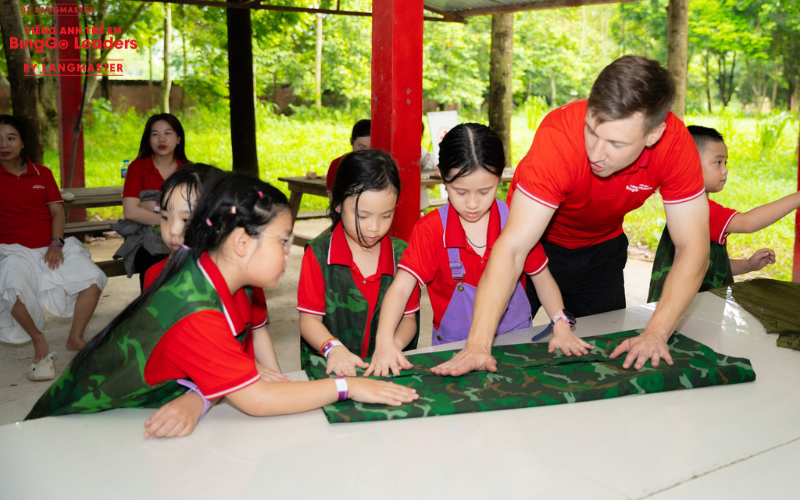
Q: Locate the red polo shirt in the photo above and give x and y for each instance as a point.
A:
(24, 213)
(719, 218)
(258, 304)
(590, 209)
(331, 175)
(203, 346)
(311, 286)
(427, 260)
(143, 176)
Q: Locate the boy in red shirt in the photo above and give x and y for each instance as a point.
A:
(722, 221)
(359, 140)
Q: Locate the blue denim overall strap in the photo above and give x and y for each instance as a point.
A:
(457, 318)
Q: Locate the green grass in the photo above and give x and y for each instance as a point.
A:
(309, 140)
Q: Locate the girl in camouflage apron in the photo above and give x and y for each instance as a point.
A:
(182, 343)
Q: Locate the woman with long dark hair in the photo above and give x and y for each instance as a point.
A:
(162, 151)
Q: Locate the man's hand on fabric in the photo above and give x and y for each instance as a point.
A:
(469, 359)
(641, 349)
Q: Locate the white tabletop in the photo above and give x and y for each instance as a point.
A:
(735, 441)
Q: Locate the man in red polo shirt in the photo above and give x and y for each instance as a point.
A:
(591, 162)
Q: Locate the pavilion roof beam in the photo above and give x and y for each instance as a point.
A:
(447, 17)
(526, 6)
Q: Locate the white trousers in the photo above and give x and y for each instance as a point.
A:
(24, 274)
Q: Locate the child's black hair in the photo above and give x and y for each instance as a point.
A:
(146, 150)
(369, 170)
(467, 147)
(257, 204)
(704, 135)
(17, 124)
(362, 128)
(195, 177)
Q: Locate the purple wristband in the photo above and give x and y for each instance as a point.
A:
(193, 387)
(341, 386)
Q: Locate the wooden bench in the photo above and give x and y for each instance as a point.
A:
(90, 227)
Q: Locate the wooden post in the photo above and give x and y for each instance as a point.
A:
(318, 65)
(166, 82)
(70, 94)
(240, 75)
(677, 36)
(796, 259)
(397, 98)
(501, 69)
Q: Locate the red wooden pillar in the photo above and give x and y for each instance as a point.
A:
(796, 259)
(397, 98)
(70, 93)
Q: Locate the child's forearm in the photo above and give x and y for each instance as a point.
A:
(406, 331)
(740, 266)
(264, 349)
(765, 215)
(390, 326)
(548, 292)
(313, 330)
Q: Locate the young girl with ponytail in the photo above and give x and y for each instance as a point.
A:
(184, 342)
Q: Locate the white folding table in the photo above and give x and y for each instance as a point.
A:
(738, 441)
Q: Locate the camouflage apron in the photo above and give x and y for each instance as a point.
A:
(719, 267)
(345, 308)
(113, 375)
(527, 376)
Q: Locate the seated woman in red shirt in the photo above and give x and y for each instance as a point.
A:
(161, 153)
(38, 268)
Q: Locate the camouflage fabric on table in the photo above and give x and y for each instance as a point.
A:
(776, 304)
(527, 375)
(113, 375)
(719, 271)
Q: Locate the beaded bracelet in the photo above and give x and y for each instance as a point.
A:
(341, 386)
(57, 245)
(193, 387)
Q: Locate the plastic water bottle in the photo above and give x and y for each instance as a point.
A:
(124, 168)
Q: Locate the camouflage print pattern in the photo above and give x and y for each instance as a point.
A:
(345, 308)
(113, 376)
(774, 303)
(719, 267)
(527, 375)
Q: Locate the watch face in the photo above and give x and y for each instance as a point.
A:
(570, 317)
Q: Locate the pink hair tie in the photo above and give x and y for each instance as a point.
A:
(233, 209)
(186, 247)
(260, 194)
(208, 221)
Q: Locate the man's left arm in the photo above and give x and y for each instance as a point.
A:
(688, 228)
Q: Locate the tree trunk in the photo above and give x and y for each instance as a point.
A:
(552, 88)
(166, 82)
(150, 81)
(708, 81)
(99, 19)
(677, 36)
(318, 65)
(501, 70)
(24, 89)
(240, 76)
(185, 72)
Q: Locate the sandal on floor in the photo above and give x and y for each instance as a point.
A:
(44, 369)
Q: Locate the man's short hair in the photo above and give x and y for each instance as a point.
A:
(704, 135)
(631, 84)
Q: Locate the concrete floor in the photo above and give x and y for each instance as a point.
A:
(18, 394)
